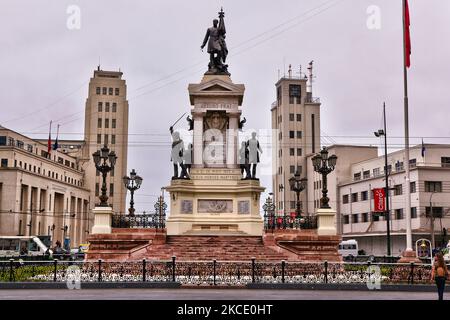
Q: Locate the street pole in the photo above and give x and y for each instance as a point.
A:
(406, 163)
(386, 176)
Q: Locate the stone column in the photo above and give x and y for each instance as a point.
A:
(232, 141)
(198, 141)
(102, 220)
(326, 224)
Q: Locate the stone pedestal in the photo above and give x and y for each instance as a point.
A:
(102, 220)
(215, 202)
(326, 222)
(409, 256)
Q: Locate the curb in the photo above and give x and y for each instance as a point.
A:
(345, 286)
(90, 285)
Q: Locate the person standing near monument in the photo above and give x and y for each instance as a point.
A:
(253, 153)
(187, 159)
(243, 160)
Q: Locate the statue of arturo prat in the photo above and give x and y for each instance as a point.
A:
(217, 48)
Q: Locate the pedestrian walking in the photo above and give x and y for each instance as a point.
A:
(439, 274)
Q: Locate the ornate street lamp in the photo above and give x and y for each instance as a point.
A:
(160, 210)
(297, 185)
(324, 165)
(269, 213)
(101, 159)
(132, 183)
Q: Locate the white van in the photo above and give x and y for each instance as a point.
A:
(348, 248)
(21, 245)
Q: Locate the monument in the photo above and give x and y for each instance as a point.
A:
(218, 194)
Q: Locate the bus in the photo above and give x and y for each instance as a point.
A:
(348, 248)
(16, 246)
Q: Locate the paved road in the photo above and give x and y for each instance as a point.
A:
(210, 294)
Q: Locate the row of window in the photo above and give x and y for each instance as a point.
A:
(106, 123)
(397, 190)
(107, 107)
(398, 214)
(292, 169)
(108, 91)
(291, 152)
(106, 139)
(292, 135)
(292, 117)
(20, 144)
(34, 169)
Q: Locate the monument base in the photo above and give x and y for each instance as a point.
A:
(409, 256)
(102, 220)
(215, 201)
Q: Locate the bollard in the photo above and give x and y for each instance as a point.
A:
(326, 271)
(283, 265)
(144, 264)
(214, 271)
(253, 270)
(99, 270)
(55, 269)
(11, 269)
(173, 268)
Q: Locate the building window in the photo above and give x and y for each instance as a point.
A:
(106, 123)
(355, 197)
(113, 123)
(2, 140)
(279, 95)
(375, 217)
(445, 162)
(294, 93)
(433, 186)
(413, 212)
(111, 189)
(291, 151)
(299, 169)
(398, 190)
(280, 119)
(412, 163)
(365, 217)
(99, 122)
(355, 218)
(99, 138)
(299, 117)
(106, 139)
(364, 195)
(107, 107)
(292, 169)
(291, 134)
(117, 91)
(398, 166)
(291, 117)
(366, 174)
(412, 187)
(299, 152)
(114, 107)
(376, 172)
(346, 219)
(100, 106)
(97, 191)
(357, 176)
(103, 90)
(389, 169)
(97, 90)
(113, 139)
(280, 136)
(19, 144)
(110, 91)
(4, 163)
(437, 212)
(345, 199)
(399, 214)
(299, 134)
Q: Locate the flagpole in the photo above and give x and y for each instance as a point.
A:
(409, 251)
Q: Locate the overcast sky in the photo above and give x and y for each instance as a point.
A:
(45, 67)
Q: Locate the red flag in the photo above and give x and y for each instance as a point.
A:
(49, 142)
(407, 35)
(379, 198)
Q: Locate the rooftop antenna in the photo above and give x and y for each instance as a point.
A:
(290, 71)
(284, 67)
(278, 74)
(98, 67)
(311, 76)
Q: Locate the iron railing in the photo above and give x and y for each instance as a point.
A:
(214, 272)
(148, 220)
(272, 222)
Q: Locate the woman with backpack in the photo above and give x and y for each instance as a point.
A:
(439, 274)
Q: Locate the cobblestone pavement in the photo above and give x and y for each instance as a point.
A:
(210, 294)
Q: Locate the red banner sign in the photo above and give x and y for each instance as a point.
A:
(379, 199)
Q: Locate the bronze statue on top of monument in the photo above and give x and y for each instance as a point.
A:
(217, 47)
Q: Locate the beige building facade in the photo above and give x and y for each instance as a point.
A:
(295, 134)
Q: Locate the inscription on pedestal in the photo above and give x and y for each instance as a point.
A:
(215, 206)
(186, 206)
(244, 207)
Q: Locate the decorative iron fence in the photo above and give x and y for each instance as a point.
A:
(152, 220)
(214, 272)
(272, 222)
